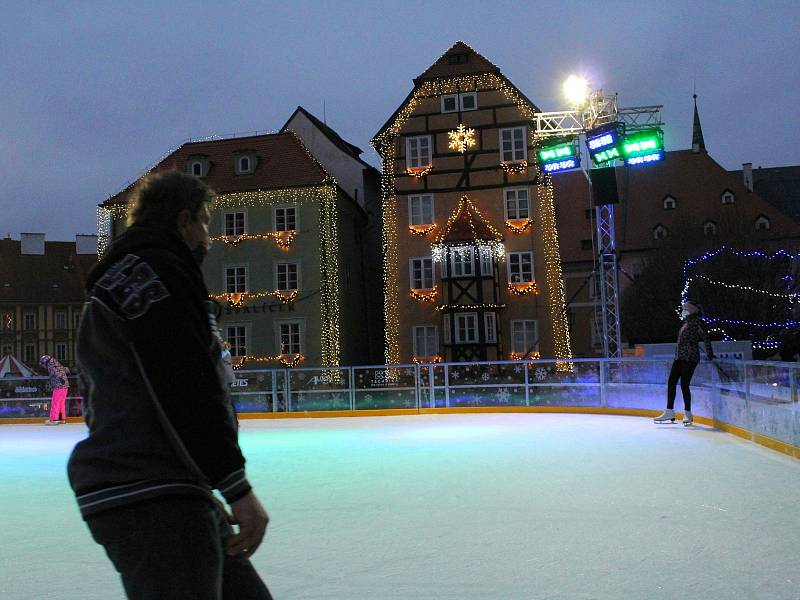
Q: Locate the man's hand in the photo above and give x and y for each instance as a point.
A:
(252, 520)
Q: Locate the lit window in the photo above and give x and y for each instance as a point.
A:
(285, 218)
(236, 336)
(235, 280)
(517, 204)
(466, 328)
(669, 203)
(8, 321)
(524, 338)
(486, 262)
(421, 273)
(490, 320)
(709, 229)
(426, 341)
(420, 210)
(234, 223)
(289, 340)
(450, 103)
(512, 144)
(286, 276)
(418, 151)
(659, 232)
(520, 267)
(762, 223)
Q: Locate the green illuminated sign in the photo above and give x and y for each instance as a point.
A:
(645, 142)
(553, 153)
(606, 155)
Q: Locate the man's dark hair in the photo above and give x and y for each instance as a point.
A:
(159, 198)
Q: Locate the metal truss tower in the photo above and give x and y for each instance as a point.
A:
(599, 111)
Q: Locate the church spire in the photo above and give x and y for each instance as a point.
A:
(698, 144)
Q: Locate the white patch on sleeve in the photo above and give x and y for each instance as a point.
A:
(133, 285)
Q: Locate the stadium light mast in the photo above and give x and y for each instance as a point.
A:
(633, 135)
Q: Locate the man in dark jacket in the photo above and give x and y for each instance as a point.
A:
(162, 432)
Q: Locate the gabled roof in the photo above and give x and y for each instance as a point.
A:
(57, 276)
(334, 137)
(283, 162)
(467, 224)
(443, 69)
(450, 64)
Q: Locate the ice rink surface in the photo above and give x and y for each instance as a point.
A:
(484, 506)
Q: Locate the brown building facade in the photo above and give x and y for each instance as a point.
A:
(472, 266)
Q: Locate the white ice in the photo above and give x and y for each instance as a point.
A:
(484, 506)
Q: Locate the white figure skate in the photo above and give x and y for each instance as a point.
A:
(687, 418)
(668, 416)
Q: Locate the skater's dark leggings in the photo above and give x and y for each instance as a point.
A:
(683, 370)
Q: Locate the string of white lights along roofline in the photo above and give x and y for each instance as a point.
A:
(325, 195)
(383, 144)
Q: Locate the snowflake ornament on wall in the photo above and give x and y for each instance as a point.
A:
(461, 139)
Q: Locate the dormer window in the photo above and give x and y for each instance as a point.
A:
(450, 103)
(762, 223)
(197, 166)
(245, 163)
(728, 197)
(709, 229)
(659, 232)
(669, 203)
(458, 59)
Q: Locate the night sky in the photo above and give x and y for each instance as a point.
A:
(96, 92)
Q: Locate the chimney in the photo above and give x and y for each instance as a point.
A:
(32, 243)
(86, 244)
(747, 173)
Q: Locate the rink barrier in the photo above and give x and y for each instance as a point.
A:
(754, 400)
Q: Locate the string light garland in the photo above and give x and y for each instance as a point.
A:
(523, 288)
(426, 360)
(283, 239)
(419, 172)
(463, 307)
(329, 258)
(791, 297)
(469, 213)
(422, 230)
(514, 167)
(521, 356)
(287, 360)
(461, 139)
(238, 299)
(519, 226)
(424, 295)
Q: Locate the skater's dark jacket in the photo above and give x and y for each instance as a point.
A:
(690, 335)
(160, 420)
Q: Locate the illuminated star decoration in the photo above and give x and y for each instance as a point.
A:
(461, 139)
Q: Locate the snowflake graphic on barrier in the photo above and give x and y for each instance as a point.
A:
(485, 377)
(502, 396)
(408, 403)
(517, 369)
(368, 397)
(541, 373)
(455, 375)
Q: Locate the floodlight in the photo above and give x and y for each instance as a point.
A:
(576, 90)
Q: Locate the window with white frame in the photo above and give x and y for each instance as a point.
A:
(486, 262)
(61, 352)
(287, 276)
(450, 103)
(285, 218)
(490, 323)
(60, 319)
(659, 232)
(29, 321)
(728, 197)
(289, 337)
(245, 164)
(709, 229)
(426, 340)
(520, 267)
(421, 272)
(524, 336)
(235, 223)
(466, 325)
(418, 151)
(236, 279)
(197, 168)
(420, 209)
(236, 336)
(461, 261)
(468, 100)
(517, 206)
(762, 223)
(669, 203)
(512, 144)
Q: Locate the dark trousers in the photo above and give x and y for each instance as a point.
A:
(172, 548)
(683, 370)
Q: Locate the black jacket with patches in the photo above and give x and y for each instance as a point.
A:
(160, 419)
